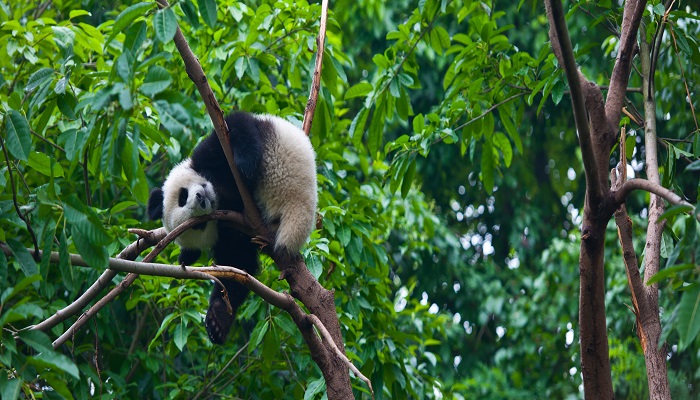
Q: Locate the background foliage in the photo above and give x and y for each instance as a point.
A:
(450, 187)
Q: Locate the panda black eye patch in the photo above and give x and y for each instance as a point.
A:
(182, 197)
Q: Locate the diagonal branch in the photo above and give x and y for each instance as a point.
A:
(561, 45)
(196, 74)
(129, 253)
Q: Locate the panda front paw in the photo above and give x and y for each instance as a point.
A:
(218, 321)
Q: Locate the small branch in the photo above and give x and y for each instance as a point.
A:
(329, 340)
(22, 216)
(561, 45)
(129, 253)
(656, 42)
(491, 109)
(316, 85)
(643, 184)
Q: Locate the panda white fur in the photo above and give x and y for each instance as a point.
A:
(277, 164)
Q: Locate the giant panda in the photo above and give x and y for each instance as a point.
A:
(277, 164)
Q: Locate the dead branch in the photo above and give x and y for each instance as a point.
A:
(316, 85)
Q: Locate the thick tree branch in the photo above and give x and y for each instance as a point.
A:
(316, 84)
(561, 45)
(631, 18)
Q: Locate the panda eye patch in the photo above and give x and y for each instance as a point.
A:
(182, 197)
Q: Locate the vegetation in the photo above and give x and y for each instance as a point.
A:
(452, 195)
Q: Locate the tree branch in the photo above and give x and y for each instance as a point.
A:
(561, 46)
(129, 253)
(316, 85)
(651, 187)
(631, 18)
(196, 74)
(327, 337)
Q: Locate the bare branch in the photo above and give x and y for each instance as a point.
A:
(316, 85)
(655, 188)
(129, 253)
(328, 339)
(561, 45)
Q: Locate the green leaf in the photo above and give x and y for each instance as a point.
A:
(22, 256)
(418, 123)
(10, 389)
(683, 44)
(314, 388)
(124, 67)
(408, 178)
(42, 163)
(689, 316)
(694, 166)
(207, 8)
(157, 79)
(669, 272)
(73, 142)
(18, 137)
(487, 166)
(502, 143)
(165, 24)
(26, 281)
(358, 90)
(126, 17)
(376, 129)
(180, 334)
(357, 126)
(675, 210)
(38, 78)
(258, 333)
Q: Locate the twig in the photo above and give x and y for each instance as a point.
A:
(329, 340)
(129, 253)
(221, 371)
(316, 85)
(22, 216)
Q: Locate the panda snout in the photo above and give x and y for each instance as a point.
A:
(202, 200)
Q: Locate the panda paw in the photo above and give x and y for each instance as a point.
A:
(218, 321)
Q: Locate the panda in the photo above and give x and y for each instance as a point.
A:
(278, 167)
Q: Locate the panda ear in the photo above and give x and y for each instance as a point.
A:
(155, 204)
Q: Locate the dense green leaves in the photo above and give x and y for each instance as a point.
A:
(450, 193)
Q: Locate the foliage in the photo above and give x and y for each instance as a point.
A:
(449, 189)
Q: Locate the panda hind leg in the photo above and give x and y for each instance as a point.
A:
(235, 250)
(218, 320)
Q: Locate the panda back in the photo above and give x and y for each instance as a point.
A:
(286, 191)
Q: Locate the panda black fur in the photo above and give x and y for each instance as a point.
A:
(277, 164)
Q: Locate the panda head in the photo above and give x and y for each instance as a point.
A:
(185, 194)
